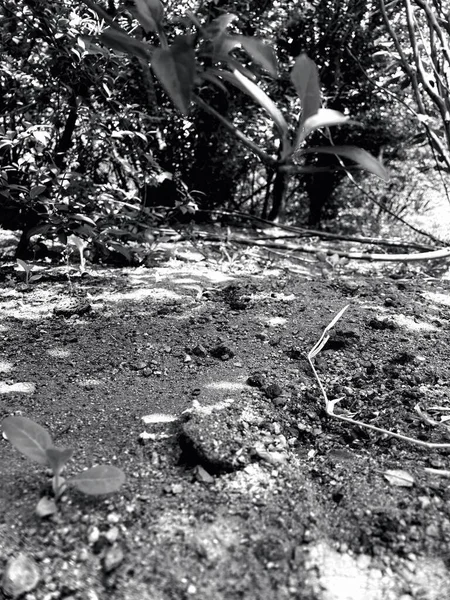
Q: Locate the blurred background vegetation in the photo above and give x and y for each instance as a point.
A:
(92, 146)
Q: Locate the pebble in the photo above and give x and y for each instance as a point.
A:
(276, 428)
(112, 559)
(112, 534)
(83, 555)
(176, 488)
(432, 530)
(93, 534)
(21, 575)
(113, 518)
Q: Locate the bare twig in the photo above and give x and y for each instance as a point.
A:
(330, 404)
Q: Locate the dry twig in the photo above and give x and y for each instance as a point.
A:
(330, 404)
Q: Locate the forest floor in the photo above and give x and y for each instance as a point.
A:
(192, 376)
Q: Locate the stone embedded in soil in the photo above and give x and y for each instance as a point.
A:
(72, 306)
(256, 380)
(213, 441)
(200, 351)
(382, 323)
(21, 576)
(113, 558)
(222, 351)
(273, 390)
(202, 475)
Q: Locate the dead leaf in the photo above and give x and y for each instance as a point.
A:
(399, 478)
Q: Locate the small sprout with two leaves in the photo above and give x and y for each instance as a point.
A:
(27, 268)
(35, 443)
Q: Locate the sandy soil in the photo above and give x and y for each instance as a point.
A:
(239, 484)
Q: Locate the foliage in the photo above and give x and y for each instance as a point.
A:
(34, 442)
(87, 129)
(70, 127)
(415, 54)
(203, 54)
(28, 269)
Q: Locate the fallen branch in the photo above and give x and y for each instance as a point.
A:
(330, 404)
(302, 232)
(375, 257)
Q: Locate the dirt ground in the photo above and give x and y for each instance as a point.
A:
(192, 377)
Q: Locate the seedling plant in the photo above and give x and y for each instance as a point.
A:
(35, 442)
(28, 269)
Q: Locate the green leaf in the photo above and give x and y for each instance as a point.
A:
(84, 219)
(255, 92)
(222, 45)
(23, 265)
(28, 437)
(360, 156)
(42, 137)
(103, 479)
(125, 132)
(37, 190)
(175, 69)
(58, 457)
(121, 250)
(215, 32)
(122, 42)
(150, 14)
(305, 78)
(218, 25)
(324, 117)
(208, 76)
(34, 278)
(261, 53)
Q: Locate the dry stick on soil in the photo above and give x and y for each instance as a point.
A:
(416, 257)
(302, 232)
(330, 404)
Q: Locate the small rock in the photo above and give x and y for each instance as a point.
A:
(273, 458)
(113, 518)
(139, 366)
(381, 323)
(273, 390)
(176, 488)
(83, 555)
(112, 534)
(222, 351)
(93, 534)
(21, 576)
(281, 401)
(275, 428)
(112, 559)
(295, 353)
(46, 507)
(432, 530)
(200, 351)
(256, 380)
(424, 501)
(202, 475)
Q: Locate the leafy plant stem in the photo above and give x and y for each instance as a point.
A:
(266, 158)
